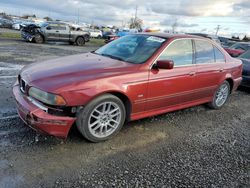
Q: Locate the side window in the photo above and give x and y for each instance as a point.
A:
(57, 27)
(61, 27)
(204, 52)
(180, 51)
(219, 56)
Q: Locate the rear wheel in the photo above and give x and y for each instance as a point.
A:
(102, 118)
(38, 38)
(221, 96)
(80, 41)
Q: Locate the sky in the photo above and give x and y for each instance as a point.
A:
(204, 16)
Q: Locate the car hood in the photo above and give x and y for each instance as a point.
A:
(73, 70)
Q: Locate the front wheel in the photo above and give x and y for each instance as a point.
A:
(221, 95)
(38, 39)
(102, 118)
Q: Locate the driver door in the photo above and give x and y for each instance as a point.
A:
(171, 87)
(52, 32)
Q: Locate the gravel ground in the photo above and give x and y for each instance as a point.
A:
(195, 147)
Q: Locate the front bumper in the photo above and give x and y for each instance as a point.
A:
(26, 36)
(38, 119)
(245, 81)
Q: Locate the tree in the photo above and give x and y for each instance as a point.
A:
(246, 39)
(135, 23)
(48, 18)
(26, 16)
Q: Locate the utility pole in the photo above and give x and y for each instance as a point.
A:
(135, 16)
(78, 15)
(217, 29)
(136, 11)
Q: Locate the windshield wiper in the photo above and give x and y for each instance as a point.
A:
(113, 57)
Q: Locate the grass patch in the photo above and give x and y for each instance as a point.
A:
(96, 42)
(10, 35)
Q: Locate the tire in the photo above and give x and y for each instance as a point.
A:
(222, 93)
(102, 118)
(38, 39)
(87, 37)
(99, 36)
(80, 41)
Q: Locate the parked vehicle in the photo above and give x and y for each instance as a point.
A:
(16, 26)
(237, 49)
(55, 31)
(111, 38)
(133, 77)
(6, 23)
(245, 58)
(95, 33)
(107, 34)
(226, 42)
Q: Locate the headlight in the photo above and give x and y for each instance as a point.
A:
(47, 98)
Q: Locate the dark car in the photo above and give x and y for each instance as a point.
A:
(245, 58)
(237, 49)
(133, 77)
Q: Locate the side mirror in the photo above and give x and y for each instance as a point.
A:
(165, 64)
(48, 28)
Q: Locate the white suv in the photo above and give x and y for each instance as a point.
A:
(95, 33)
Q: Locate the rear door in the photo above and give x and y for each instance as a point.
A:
(175, 86)
(64, 32)
(210, 63)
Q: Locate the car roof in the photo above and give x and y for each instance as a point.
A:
(167, 35)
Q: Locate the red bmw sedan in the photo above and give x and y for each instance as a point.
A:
(133, 77)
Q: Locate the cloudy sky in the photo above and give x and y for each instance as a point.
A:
(233, 16)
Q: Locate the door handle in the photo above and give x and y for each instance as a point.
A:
(191, 73)
(221, 70)
(57, 31)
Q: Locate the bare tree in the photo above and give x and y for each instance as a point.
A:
(135, 23)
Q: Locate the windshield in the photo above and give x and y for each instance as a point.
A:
(132, 48)
(245, 55)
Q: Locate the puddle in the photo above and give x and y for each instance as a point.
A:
(11, 181)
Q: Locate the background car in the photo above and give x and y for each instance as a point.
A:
(245, 57)
(95, 33)
(238, 48)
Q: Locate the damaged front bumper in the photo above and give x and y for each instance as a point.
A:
(38, 119)
(26, 36)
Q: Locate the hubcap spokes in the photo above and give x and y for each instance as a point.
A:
(104, 119)
(221, 95)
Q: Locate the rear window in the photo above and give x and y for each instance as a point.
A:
(219, 56)
(204, 52)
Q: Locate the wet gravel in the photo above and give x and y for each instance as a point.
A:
(195, 147)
